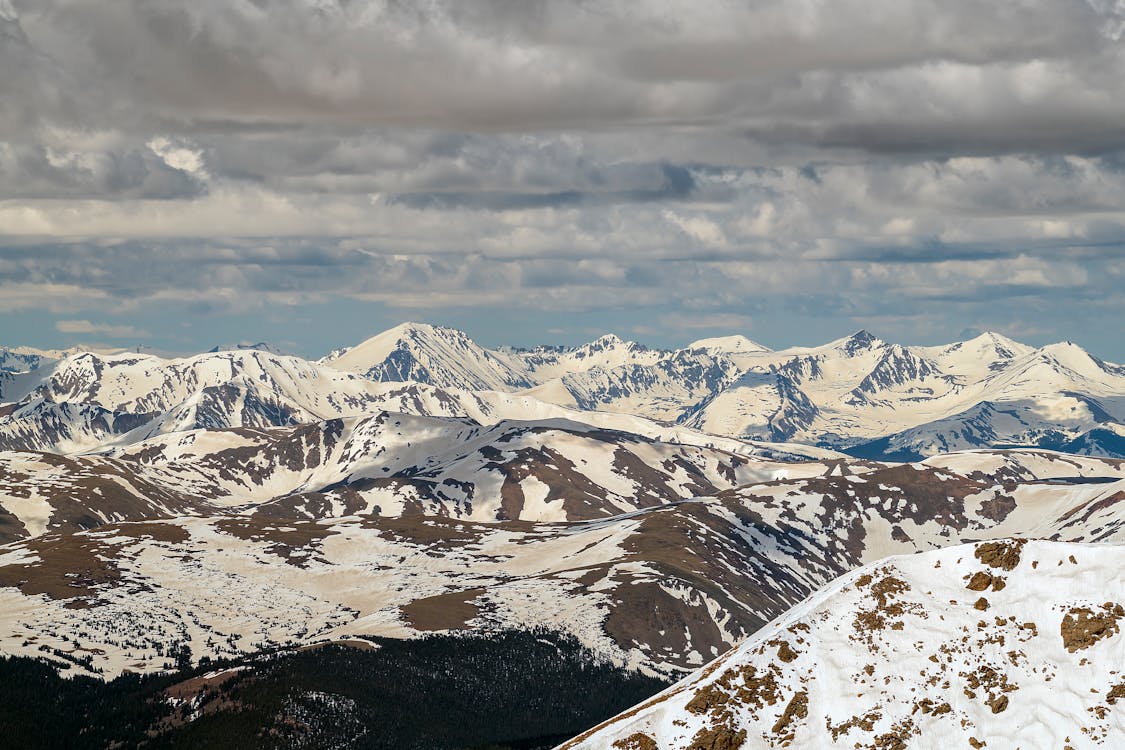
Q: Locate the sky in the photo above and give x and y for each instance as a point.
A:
(309, 172)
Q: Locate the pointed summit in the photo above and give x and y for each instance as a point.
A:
(608, 340)
(860, 341)
(608, 343)
(997, 343)
(425, 353)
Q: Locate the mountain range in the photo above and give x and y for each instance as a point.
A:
(859, 394)
(659, 508)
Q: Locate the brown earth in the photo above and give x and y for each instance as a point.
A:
(450, 611)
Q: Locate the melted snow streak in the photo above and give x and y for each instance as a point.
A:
(1010, 643)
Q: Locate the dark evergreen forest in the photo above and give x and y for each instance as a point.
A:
(514, 690)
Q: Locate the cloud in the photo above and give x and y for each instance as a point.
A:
(103, 329)
(699, 228)
(876, 74)
(56, 171)
(720, 322)
(179, 155)
(824, 161)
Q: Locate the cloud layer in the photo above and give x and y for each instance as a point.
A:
(790, 166)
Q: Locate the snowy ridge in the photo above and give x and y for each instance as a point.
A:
(856, 393)
(89, 402)
(860, 394)
(959, 647)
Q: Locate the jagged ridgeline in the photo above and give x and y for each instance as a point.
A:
(859, 394)
(508, 691)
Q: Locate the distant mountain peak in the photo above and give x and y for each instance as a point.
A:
(735, 344)
(610, 341)
(425, 353)
(860, 341)
(260, 346)
(998, 342)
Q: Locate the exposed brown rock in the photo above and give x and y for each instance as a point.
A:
(797, 708)
(1004, 554)
(718, 738)
(866, 723)
(706, 699)
(1082, 627)
(637, 741)
(442, 612)
(980, 581)
(785, 652)
(886, 611)
(896, 738)
(68, 566)
(294, 541)
(997, 507)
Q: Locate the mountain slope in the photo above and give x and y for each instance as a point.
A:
(429, 354)
(861, 394)
(664, 588)
(88, 402)
(385, 463)
(545, 363)
(858, 392)
(902, 403)
(942, 649)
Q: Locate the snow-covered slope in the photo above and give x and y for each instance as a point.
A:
(665, 586)
(435, 355)
(882, 399)
(659, 390)
(41, 492)
(859, 393)
(386, 463)
(607, 373)
(395, 464)
(24, 358)
(87, 401)
(260, 346)
(1003, 644)
(545, 363)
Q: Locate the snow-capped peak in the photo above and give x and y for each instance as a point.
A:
(1072, 356)
(431, 354)
(260, 346)
(736, 344)
(859, 341)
